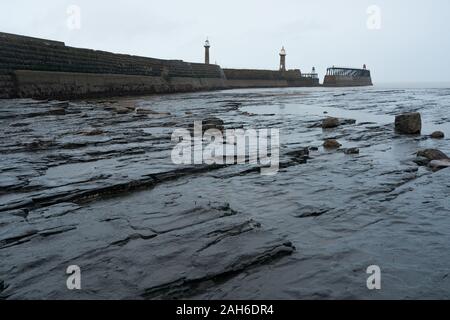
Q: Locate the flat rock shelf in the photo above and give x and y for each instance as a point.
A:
(91, 183)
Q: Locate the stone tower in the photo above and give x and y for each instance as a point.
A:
(207, 46)
(283, 60)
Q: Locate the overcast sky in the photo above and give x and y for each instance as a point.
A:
(406, 41)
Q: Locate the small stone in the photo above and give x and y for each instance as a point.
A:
(62, 104)
(331, 144)
(437, 135)
(211, 123)
(38, 144)
(144, 111)
(122, 110)
(351, 151)
(347, 122)
(141, 111)
(301, 153)
(439, 164)
(330, 122)
(408, 123)
(95, 132)
(57, 112)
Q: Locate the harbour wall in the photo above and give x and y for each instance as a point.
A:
(346, 81)
(38, 68)
(251, 78)
(43, 69)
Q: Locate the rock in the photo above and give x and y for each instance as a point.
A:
(347, 121)
(95, 132)
(61, 104)
(330, 122)
(331, 144)
(19, 124)
(351, 151)
(39, 144)
(313, 148)
(439, 164)
(57, 112)
(301, 154)
(211, 123)
(421, 161)
(437, 135)
(162, 114)
(122, 110)
(408, 123)
(310, 211)
(141, 111)
(144, 111)
(432, 154)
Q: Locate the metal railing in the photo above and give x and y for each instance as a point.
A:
(352, 72)
(310, 75)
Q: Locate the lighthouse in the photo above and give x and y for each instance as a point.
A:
(207, 46)
(283, 59)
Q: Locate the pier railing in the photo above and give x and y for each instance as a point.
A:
(348, 72)
(310, 75)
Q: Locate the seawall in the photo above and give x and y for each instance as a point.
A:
(347, 77)
(46, 69)
(250, 78)
(346, 81)
(38, 68)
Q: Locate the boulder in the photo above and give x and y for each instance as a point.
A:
(437, 135)
(408, 123)
(330, 122)
(432, 154)
(331, 144)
